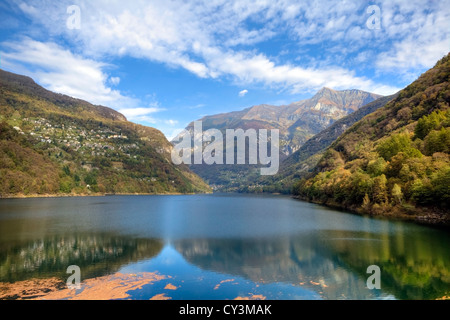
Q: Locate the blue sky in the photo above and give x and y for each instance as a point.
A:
(167, 63)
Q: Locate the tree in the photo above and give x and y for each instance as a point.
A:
(380, 189)
(366, 203)
(437, 141)
(376, 167)
(441, 187)
(90, 179)
(428, 123)
(397, 194)
(404, 114)
(422, 192)
(397, 143)
(66, 170)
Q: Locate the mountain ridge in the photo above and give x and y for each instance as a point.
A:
(20, 83)
(396, 160)
(53, 144)
(303, 160)
(297, 122)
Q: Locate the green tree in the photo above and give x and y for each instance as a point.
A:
(380, 189)
(397, 194)
(90, 179)
(395, 144)
(437, 141)
(66, 170)
(65, 185)
(376, 167)
(422, 192)
(428, 123)
(441, 187)
(366, 203)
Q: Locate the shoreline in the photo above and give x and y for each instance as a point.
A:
(83, 195)
(422, 217)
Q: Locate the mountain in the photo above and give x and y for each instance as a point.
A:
(395, 161)
(316, 114)
(324, 139)
(297, 123)
(54, 144)
(301, 162)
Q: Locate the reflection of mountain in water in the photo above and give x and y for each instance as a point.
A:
(334, 263)
(416, 266)
(95, 254)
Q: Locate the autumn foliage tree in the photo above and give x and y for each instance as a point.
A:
(397, 159)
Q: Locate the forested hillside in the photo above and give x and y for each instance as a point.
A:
(55, 144)
(302, 162)
(396, 161)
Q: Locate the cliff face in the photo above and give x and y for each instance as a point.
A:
(54, 144)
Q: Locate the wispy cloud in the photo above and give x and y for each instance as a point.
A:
(171, 133)
(423, 34)
(213, 39)
(198, 106)
(243, 93)
(114, 81)
(59, 70)
(171, 122)
(218, 40)
(134, 113)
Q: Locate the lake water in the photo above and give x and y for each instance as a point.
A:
(222, 246)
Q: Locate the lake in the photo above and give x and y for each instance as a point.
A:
(220, 246)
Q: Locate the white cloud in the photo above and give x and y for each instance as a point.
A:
(171, 122)
(250, 68)
(138, 112)
(202, 37)
(213, 39)
(423, 34)
(145, 115)
(197, 106)
(61, 71)
(243, 93)
(114, 80)
(145, 119)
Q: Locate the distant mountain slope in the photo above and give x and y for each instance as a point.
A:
(297, 123)
(396, 161)
(55, 101)
(318, 113)
(301, 162)
(325, 138)
(54, 144)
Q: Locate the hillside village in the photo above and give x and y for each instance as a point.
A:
(53, 144)
(100, 142)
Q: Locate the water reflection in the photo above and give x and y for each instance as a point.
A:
(95, 254)
(277, 243)
(333, 263)
(413, 265)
